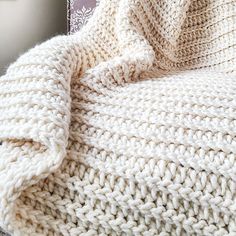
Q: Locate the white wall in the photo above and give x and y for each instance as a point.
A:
(23, 23)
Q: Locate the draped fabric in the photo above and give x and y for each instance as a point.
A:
(126, 127)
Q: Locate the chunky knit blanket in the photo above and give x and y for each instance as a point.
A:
(125, 128)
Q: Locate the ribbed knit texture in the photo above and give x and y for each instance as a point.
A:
(125, 128)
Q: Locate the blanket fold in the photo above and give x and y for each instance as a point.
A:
(34, 132)
(125, 128)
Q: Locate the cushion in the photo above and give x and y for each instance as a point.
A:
(79, 11)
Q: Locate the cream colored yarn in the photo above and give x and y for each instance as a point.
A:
(125, 128)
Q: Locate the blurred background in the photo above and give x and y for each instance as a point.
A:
(24, 23)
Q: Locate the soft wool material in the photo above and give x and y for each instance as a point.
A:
(126, 128)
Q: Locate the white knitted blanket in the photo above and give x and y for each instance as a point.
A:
(125, 128)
